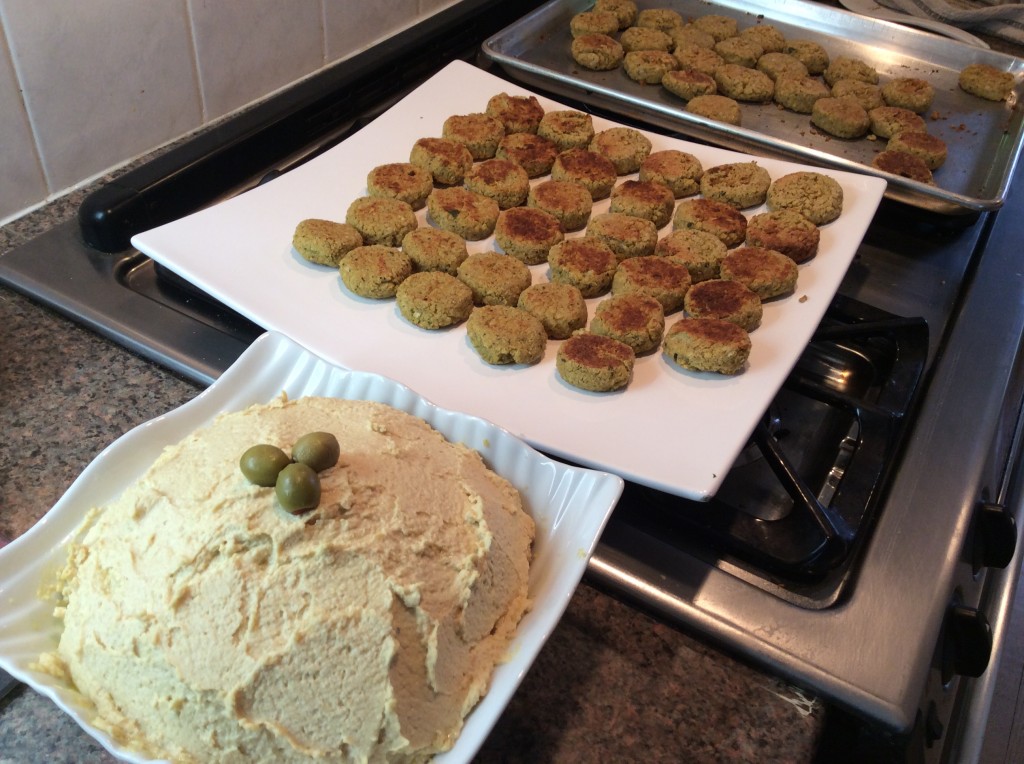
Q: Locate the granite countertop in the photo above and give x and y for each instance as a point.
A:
(611, 684)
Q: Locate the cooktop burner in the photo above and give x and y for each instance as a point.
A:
(799, 500)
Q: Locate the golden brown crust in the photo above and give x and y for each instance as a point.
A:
(842, 117)
(645, 38)
(739, 50)
(680, 171)
(471, 215)
(720, 108)
(717, 25)
(649, 66)
(495, 279)
(816, 196)
(446, 160)
(433, 249)
(534, 153)
(849, 68)
(567, 128)
(628, 236)
(864, 93)
(597, 51)
(594, 22)
(375, 271)
(381, 220)
(659, 277)
(527, 233)
(502, 334)
(785, 231)
(570, 202)
(904, 164)
(699, 251)
(767, 36)
(588, 168)
(765, 272)
(519, 114)
(595, 363)
(722, 220)
(708, 344)
(401, 180)
(811, 54)
(325, 242)
(633, 318)
(625, 147)
(502, 180)
(434, 300)
(587, 263)
(929, 148)
(478, 132)
(643, 199)
(726, 300)
(688, 83)
(625, 10)
(659, 18)
(559, 307)
(743, 83)
(738, 184)
(799, 94)
(985, 81)
(886, 121)
(779, 65)
(911, 93)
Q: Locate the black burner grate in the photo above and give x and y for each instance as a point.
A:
(799, 501)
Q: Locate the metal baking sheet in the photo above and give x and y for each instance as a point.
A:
(984, 138)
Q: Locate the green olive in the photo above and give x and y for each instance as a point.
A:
(318, 450)
(261, 464)
(298, 488)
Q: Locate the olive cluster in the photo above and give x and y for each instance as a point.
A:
(295, 478)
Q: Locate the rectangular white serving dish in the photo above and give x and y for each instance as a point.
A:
(569, 504)
(671, 429)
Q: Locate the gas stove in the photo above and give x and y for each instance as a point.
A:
(863, 545)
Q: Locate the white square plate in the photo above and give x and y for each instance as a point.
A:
(569, 504)
(671, 429)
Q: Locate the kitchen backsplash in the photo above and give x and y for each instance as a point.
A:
(88, 86)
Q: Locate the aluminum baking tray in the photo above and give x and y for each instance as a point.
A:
(984, 138)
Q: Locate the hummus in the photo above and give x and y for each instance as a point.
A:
(208, 624)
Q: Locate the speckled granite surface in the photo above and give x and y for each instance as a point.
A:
(611, 684)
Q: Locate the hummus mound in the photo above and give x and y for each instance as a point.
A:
(207, 624)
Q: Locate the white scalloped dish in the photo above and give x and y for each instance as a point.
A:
(569, 504)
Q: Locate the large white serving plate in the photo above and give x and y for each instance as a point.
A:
(569, 504)
(671, 429)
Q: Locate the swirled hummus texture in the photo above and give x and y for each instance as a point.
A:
(207, 624)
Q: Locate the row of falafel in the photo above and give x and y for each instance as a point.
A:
(475, 181)
(714, 66)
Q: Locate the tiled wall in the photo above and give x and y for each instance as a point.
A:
(87, 86)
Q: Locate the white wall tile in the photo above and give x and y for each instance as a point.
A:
(87, 86)
(23, 183)
(354, 25)
(246, 50)
(103, 80)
